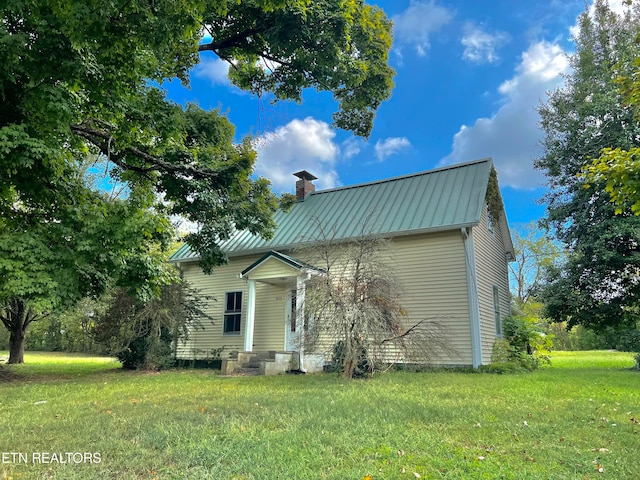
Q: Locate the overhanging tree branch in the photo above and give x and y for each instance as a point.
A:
(104, 140)
(238, 40)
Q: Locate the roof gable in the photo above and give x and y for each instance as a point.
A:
(289, 263)
(441, 199)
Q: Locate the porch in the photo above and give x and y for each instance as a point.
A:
(286, 278)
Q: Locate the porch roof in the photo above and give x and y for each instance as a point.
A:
(286, 259)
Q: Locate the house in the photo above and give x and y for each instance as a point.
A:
(451, 256)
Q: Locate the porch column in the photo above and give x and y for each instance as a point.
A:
(300, 291)
(251, 312)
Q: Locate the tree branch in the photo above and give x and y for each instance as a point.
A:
(103, 141)
(233, 41)
(405, 334)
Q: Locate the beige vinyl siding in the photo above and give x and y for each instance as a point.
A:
(269, 315)
(272, 268)
(492, 270)
(431, 270)
(269, 325)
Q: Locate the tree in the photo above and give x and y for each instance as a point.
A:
(533, 253)
(598, 283)
(142, 334)
(77, 246)
(618, 167)
(82, 78)
(353, 308)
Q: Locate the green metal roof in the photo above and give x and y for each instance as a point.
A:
(441, 199)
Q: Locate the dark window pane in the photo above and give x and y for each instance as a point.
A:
(233, 302)
(232, 323)
(229, 302)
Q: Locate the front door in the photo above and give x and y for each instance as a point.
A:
(291, 323)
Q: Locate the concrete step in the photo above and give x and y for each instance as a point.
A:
(248, 371)
(255, 364)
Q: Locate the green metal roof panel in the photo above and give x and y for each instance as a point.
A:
(440, 199)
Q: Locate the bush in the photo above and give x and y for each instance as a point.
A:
(363, 369)
(628, 341)
(149, 352)
(505, 358)
(523, 346)
(582, 338)
(141, 334)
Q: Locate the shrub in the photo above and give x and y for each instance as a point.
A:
(141, 334)
(148, 352)
(523, 346)
(363, 368)
(527, 338)
(628, 341)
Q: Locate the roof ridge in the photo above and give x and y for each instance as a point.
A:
(402, 177)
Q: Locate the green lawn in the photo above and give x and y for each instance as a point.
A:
(565, 421)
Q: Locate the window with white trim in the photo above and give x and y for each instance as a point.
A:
(496, 311)
(232, 313)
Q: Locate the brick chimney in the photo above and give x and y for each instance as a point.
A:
(304, 185)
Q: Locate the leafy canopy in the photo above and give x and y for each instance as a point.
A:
(598, 284)
(618, 166)
(82, 77)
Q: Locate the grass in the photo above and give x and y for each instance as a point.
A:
(565, 421)
(50, 365)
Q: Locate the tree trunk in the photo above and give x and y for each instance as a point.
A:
(16, 317)
(16, 347)
(349, 368)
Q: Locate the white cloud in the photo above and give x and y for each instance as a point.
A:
(213, 69)
(481, 46)
(351, 147)
(512, 135)
(299, 145)
(417, 23)
(390, 146)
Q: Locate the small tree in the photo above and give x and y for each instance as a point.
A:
(353, 308)
(534, 252)
(16, 315)
(143, 335)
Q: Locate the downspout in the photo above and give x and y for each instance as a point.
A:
(472, 295)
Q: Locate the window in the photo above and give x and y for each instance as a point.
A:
(294, 309)
(496, 311)
(232, 313)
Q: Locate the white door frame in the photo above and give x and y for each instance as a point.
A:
(291, 337)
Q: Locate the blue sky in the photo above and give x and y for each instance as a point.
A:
(470, 75)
